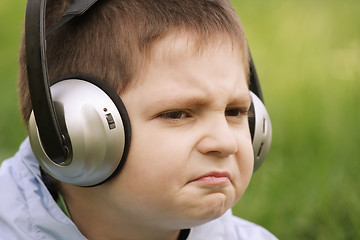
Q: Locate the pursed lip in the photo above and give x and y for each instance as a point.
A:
(213, 178)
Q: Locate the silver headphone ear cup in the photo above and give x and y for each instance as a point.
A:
(262, 131)
(96, 131)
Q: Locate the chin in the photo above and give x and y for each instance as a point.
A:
(214, 206)
(200, 212)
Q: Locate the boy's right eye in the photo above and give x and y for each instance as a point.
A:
(174, 115)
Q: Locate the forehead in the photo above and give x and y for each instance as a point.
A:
(177, 70)
(179, 45)
(186, 44)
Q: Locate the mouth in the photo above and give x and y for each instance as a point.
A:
(213, 178)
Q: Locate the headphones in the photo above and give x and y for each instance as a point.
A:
(79, 128)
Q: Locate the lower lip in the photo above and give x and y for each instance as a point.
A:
(211, 180)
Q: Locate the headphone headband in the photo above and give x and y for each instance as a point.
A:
(254, 80)
(51, 135)
(54, 141)
(75, 9)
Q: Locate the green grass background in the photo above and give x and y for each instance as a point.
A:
(307, 54)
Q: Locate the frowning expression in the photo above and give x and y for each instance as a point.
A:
(191, 155)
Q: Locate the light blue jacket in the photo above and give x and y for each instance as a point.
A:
(28, 211)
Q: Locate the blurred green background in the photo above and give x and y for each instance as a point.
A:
(307, 55)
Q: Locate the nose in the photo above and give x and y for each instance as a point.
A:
(218, 138)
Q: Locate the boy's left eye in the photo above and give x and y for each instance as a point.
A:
(236, 112)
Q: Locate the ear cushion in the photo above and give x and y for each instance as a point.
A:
(260, 129)
(93, 116)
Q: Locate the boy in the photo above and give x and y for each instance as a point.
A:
(181, 69)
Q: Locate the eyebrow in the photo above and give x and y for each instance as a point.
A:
(201, 100)
(186, 100)
(241, 98)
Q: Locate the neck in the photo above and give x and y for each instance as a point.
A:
(95, 220)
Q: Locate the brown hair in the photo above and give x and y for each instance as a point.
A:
(114, 38)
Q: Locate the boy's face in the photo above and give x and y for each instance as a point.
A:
(191, 156)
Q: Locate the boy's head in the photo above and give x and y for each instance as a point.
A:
(113, 40)
(181, 68)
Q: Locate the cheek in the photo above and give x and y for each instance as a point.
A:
(246, 159)
(245, 165)
(154, 167)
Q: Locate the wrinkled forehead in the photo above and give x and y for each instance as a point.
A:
(178, 44)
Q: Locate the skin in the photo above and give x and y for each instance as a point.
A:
(191, 156)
